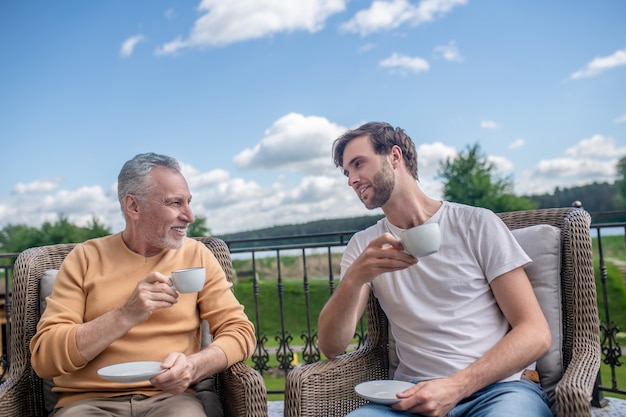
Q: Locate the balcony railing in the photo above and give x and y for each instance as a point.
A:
(612, 352)
(262, 263)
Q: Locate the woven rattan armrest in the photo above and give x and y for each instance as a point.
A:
(243, 392)
(573, 390)
(327, 388)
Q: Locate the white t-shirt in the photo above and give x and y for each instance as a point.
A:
(442, 313)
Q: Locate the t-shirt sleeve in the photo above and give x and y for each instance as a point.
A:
(496, 248)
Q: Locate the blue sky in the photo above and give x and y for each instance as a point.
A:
(250, 94)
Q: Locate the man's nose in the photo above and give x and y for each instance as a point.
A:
(188, 214)
(353, 180)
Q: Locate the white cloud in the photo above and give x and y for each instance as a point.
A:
(228, 193)
(573, 167)
(37, 186)
(169, 13)
(85, 199)
(366, 47)
(597, 146)
(228, 21)
(199, 180)
(430, 156)
(294, 143)
(404, 63)
(517, 144)
(501, 164)
(387, 15)
(621, 119)
(449, 52)
(313, 198)
(172, 46)
(489, 124)
(591, 160)
(79, 205)
(129, 45)
(601, 64)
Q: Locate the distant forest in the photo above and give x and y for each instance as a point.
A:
(599, 199)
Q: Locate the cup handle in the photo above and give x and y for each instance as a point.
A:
(172, 285)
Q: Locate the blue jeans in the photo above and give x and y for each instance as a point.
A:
(521, 398)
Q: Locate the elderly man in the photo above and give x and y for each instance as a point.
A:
(113, 302)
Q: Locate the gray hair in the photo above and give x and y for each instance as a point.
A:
(134, 176)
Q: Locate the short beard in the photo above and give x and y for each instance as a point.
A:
(171, 243)
(382, 185)
(163, 241)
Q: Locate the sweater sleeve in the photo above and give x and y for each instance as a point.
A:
(231, 329)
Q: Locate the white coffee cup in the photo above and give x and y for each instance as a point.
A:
(421, 240)
(188, 280)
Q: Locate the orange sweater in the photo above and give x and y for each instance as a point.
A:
(100, 275)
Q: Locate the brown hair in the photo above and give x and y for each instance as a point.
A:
(383, 137)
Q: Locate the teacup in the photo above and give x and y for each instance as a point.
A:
(188, 280)
(421, 240)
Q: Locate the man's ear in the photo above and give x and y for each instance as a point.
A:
(395, 156)
(131, 206)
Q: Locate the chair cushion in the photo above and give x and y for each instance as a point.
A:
(47, 281)
(543, 244)
(45, 289)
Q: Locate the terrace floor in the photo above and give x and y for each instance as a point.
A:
(276, 409)
(616, 408)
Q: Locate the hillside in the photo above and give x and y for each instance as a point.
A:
(347, 225)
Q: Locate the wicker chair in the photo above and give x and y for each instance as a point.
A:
(327, 388)
(240, 388)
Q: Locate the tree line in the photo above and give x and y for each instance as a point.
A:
(467, 178)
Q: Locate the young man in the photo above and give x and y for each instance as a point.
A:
(464, 321)
(112, 302)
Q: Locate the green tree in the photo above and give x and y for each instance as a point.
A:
(198, 228)
(469, 178)
(95, 229)
(16, 238)
(61, 231)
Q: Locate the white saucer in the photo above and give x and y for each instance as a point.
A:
(383, 391)
(131, 371)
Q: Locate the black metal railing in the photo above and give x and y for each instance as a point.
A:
(612, 352)
(277, 356)
(283, 349)
(6, 270)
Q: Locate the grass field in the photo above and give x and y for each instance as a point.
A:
(613, 248)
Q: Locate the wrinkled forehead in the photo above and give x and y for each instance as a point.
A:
(169, 182)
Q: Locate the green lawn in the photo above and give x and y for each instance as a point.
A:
(294, 306)
(620, 376)
(613, 248)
